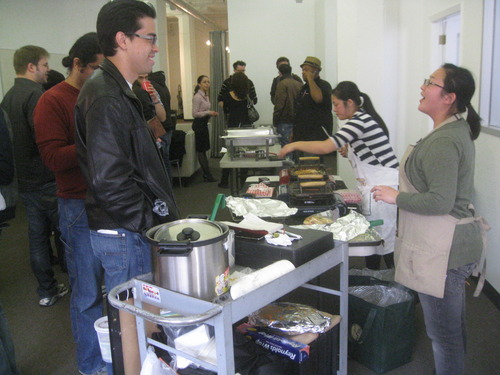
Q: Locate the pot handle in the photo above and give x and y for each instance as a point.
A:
(155, 318)
(174, 248)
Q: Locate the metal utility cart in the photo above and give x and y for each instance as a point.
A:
(223, 314)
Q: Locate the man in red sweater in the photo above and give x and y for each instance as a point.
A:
(55, 137)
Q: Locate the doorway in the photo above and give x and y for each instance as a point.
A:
(445, 38)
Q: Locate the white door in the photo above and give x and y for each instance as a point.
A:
(445, 42)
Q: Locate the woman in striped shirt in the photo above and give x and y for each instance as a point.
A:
(371, 157)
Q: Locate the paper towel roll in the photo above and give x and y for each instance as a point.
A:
(261, 277)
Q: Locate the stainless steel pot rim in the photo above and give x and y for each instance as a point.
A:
(209, 231)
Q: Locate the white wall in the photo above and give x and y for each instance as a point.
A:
(487, 161)
(367, 55)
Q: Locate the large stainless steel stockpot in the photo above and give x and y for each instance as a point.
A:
(190, 256)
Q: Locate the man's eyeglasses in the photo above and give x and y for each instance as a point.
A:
(428, 82)
(152, 38)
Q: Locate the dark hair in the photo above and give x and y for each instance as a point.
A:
(285, 69)
(200, 78)
(120, 15)
(53, 78)
(239, 62)
(282, 59)
(240, 84)
(348, 90)
(86, 49)
(460, 82)
(28, 54)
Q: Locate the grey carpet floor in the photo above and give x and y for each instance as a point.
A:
(43, 339)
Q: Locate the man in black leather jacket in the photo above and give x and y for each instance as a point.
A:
(129, 190)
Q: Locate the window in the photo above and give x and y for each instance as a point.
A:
(489, 108)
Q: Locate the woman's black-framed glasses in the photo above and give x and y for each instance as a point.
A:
(428, 82)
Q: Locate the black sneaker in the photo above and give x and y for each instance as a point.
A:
(49, 301)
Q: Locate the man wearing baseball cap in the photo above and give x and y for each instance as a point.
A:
(314, 104)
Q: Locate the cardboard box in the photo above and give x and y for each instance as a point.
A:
(282, 346)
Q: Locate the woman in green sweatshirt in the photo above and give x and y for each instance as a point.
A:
(439, 241)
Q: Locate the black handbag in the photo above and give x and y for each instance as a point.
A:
(253, 115)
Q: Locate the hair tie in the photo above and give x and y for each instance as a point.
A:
(362, 101)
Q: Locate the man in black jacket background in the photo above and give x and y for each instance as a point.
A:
(36, 183)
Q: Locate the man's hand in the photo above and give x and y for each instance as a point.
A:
(308, 76)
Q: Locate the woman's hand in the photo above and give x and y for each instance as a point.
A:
(285, 150)
(213, 113)
(343, 150)
(385, 194)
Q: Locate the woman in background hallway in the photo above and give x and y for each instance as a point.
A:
(201, 114)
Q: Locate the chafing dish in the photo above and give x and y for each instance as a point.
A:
(258, 136)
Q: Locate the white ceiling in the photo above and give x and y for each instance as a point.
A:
(213, 11)
(209, 7)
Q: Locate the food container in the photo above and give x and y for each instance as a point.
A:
(259, 136)
(309, 168)
(365, 244)
(191, 256)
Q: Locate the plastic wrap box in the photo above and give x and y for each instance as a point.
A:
(258, 253)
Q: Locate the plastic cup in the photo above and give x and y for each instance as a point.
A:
(102, 329)
(147, 85)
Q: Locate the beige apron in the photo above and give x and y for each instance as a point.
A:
(423, 244)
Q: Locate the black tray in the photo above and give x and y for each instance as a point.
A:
(259, 253)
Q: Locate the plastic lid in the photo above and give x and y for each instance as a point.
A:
(101, 324)
(188, 230)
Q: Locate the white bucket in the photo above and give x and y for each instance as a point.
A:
(102, 329)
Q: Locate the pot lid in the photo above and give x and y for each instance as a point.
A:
(188, 230)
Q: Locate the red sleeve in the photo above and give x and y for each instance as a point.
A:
(55, 130)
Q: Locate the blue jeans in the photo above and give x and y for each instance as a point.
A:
(285, 130)
(445, 322)
(7, 356)
(85, 276)
(41, 211)
(123, 255)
